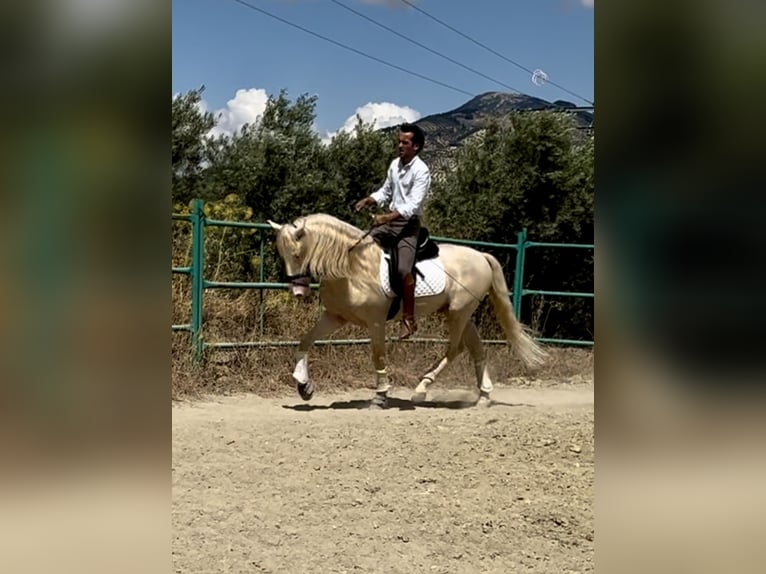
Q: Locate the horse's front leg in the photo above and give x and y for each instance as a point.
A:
(326, 324)
(378, 347)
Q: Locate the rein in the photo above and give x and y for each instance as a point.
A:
(300, 279)
(350, 249)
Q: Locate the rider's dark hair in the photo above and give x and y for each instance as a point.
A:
(418, 137)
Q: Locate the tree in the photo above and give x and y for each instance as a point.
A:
(276, 164)
(189, 145)
(529, 170)
(283, 170)
(358, 162)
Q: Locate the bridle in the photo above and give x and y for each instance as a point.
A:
(299, 279)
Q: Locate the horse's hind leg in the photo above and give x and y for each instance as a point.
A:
(475, 347)
(456, 321)
(326, 324)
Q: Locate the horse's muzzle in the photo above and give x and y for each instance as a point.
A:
(300, 291)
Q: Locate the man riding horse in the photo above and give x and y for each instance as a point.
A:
(406, 187)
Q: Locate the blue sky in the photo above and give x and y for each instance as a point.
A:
(242, 56)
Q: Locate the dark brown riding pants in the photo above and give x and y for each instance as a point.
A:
(402, 234)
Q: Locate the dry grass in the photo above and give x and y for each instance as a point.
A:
(235, 316)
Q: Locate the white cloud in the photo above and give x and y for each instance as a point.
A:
(587, 3)
(383, 114)
(246, 107)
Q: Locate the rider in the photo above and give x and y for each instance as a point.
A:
(405, 189)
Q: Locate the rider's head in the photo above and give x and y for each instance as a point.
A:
(411, 140)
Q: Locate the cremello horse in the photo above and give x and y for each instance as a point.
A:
(329, 249)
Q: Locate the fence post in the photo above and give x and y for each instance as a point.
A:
(197, 277)
(518, 275)
(260, 291)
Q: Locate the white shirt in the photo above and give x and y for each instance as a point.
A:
(406, 187)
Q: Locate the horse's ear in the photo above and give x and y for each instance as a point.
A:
(276, 226)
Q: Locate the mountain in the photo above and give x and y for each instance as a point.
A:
(449, 130)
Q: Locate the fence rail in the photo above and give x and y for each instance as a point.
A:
(199, 284)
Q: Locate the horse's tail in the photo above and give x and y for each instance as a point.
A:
(522, 344)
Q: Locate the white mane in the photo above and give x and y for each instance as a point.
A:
(323, 243)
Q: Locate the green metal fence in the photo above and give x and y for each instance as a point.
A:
(199, 284)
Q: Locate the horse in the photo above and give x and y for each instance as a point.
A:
(346, 261)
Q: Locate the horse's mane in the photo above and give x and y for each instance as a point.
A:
(324, 246)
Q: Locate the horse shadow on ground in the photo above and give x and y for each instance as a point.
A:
(400, 404)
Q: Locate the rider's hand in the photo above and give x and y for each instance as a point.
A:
(364, 202)
(379, 219)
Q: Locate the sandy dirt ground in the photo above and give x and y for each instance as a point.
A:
(279, 485)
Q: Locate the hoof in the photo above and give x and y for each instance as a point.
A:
(418, 397)
(306, 391)
(484, 400)
(380, 402)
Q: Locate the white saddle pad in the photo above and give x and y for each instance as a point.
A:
(431, 282)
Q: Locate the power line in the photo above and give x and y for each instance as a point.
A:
(364, 54)
(361, 15)
(351, 49)
(498, 54)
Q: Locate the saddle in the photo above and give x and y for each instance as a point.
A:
(426, 249)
